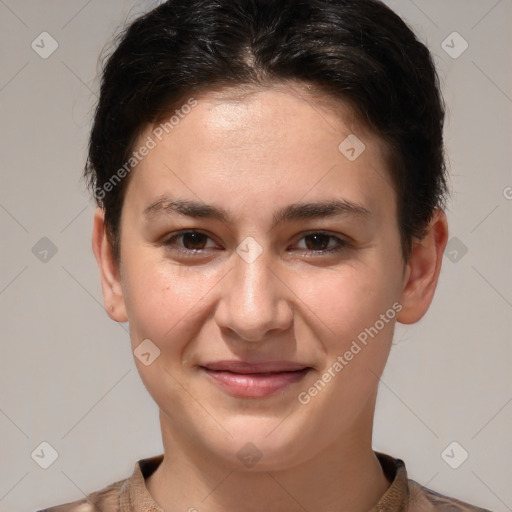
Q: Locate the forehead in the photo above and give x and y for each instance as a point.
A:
(295, 112)
(260, 139)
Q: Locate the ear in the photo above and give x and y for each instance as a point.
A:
(422, 270)
(109, 269)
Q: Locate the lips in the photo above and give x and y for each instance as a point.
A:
(254, 380)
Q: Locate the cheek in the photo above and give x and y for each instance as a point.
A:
(163, 300)
(355, 313)
(349, 300)
(165, 305)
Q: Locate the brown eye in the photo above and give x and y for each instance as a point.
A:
(317, 241)
(322, 243)
(194, 241)
(189, 242)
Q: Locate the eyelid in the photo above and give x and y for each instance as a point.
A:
(342, 242)
(166, 241)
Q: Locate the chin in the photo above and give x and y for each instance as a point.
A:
(263, 444)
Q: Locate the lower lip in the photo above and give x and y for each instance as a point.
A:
(255, 385)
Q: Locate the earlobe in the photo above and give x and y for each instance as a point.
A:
(109, 270)
(423, 268)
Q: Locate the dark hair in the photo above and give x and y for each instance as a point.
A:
(356, 51)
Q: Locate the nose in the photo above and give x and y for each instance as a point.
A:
(255, 300)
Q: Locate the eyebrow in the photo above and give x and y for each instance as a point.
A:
(292, 212)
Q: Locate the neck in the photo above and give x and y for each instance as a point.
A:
(346, 476)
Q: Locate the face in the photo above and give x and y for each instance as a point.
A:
(264, 265)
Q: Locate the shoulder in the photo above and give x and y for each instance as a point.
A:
(103, 500)
(127, 494)
(422, 499)
(406, 495)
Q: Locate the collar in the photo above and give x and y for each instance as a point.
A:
(134, 496)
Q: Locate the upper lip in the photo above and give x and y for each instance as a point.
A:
(263, 367)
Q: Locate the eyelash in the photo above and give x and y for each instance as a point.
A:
(341, 243)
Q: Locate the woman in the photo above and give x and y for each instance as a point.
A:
(270, 183)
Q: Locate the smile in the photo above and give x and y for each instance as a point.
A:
(254, 380)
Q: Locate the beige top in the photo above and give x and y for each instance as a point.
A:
(131, 494)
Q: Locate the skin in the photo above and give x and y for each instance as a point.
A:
(253, 154)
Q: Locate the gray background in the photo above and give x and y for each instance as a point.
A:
(67, 373)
